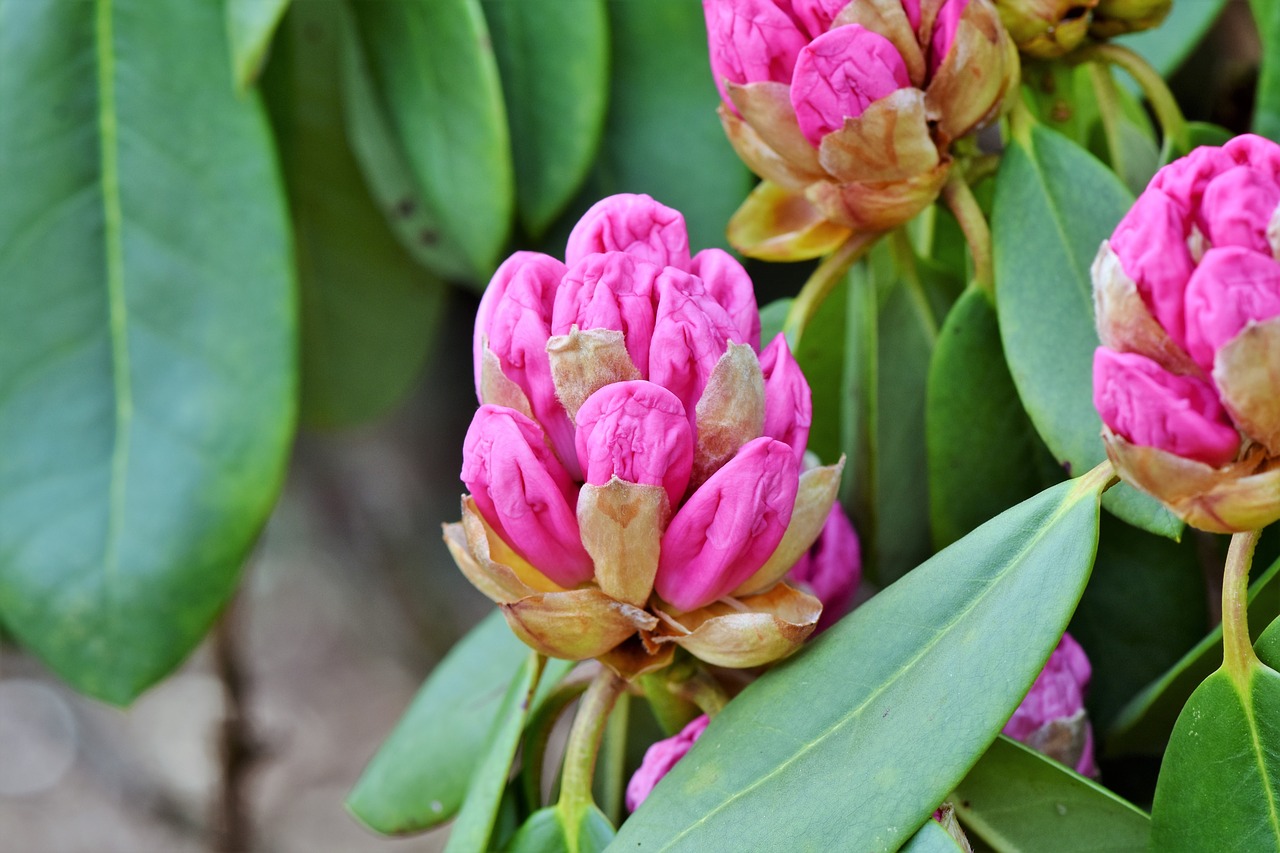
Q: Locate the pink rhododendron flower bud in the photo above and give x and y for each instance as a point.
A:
(1187, 295)
(636, 431)
(751, 40)
(612, 290)
(839, 74)
(524, 492)
(660, 758)
(728, 284)
(945, 28)
(1052, 718)
(691, 332)
(788, 406)
(832, 568)
(635, 224)
(1046, 29)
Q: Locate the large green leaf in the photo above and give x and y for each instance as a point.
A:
(823, 366)
(437, 79)
(551, 830)
(852, 744)
(250, 26)
(554, 59)
(931, 838)
(147, 368)
(369, 311)
(1054, 205)
(1017, 800)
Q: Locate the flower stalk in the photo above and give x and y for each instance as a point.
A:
(584, 743)
(1238, 657)
(824, 280)
(1166, 108)
(977, 233)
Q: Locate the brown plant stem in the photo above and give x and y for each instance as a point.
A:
(1238, 657)
(236, 740)
(823, 281)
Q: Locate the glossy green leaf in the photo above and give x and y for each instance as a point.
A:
(549, 831)
(984, 456)
(1054, 205)
(1144, 724)
(250, 27)
(1016, 800)
(1205, 133)
(554, 59)
(419, 776)
(1167, 46)
(931, 838)
(823, 366)
(147, 368)
(437, 78)
(369, 312)
(1219, 785)
(852, 743)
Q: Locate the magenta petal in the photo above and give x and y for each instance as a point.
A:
(1151, 244)
(524, 493)
(1058, 691)
(841, 73)
(750, 41)
(542, 267)
(635, 224)
(639, 432)
(1236, 209)
(832, 568)
(1257, 152)
(729, 526)
(816, 15)
(788, 406)
(944, 32)
(660, 758)
(728, 283)
(610, 291)
(690, 333)
(1185, 179)
(1152, 407)
(1231, 288)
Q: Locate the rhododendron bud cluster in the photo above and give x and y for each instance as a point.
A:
(634, 470)
(1052, 719)
(847, 109)
(1045, 29)
(1188, 309)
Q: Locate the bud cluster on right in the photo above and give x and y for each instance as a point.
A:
(1187, 292)
(1045, 29)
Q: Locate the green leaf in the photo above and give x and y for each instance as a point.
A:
(147, 368)
(1205, 133)
(1144, 724)
(369, 311)
(548, 831)
(773, 315)
(554, 59)
(1016, 799)
(1168, 45)
(931, 838)
(854, 741)
(1054, 205)
(823, 366)
(1219, 781)
(437, 79)
(250, 26)
(984, 456)
(1266, 107)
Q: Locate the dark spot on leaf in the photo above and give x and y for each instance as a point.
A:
(405, 207)
(1066, 466)
(427, 237)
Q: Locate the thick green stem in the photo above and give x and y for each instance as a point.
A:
(584, 741)
(1238, 657)
(1168, 113)
(1109, 108)
(823, 281)
(976, 231)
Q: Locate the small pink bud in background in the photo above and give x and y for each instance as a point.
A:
(749, 41)
(524, 493)
(839, 74)
(832, 568)
(635, 224)
(691, 332)
(788, 403)
(944, 31)
(660, 758)
(729, 526)
(728, 283)
(1230, 288)
(1146, 404)
(1052, 718)
(612, 290)
(638, 432)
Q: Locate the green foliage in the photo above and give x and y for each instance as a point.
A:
(250, 26)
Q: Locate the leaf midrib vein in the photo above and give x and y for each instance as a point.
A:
(1246, 701)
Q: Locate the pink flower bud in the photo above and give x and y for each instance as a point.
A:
(524, 493)
(839, 74)
(832, 567)
(610, 291)
(1146, 404)
(1237, 207)
(1184, 180)
(788, 407)
(729, 526)
(1230, 288)
(1151, 243)
(635, 224)
(1052, 717)
(660, 758)
(540, 266)
(944, 31)
(690, 333)
(638, 432)
(750, 41)
(728, 283)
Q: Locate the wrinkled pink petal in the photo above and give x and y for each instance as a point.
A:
(613, 290)
(1152, 407)
(944, 32)
(631, 223)
(729, 526)
(542, 267)
(832, 568)
(690, 334)
(660, 758)
(638, 432)
(815, 16)
(729, 284)
(788, 405)
(1185, 179)
(750, 41)
(1257, 152)
(1151, 243)
(1229, 289)
(1237, 207)
(839, 74)
(524, 493)
(1057, 694)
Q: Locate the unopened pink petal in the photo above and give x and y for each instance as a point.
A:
(1237, 207)
(1229, 289)
(1152, 407)
(1151, 244)
(750, 41)
(788, 405)
(612, 290)
(524, 493)
(729, 526)
(690, 333)
(1256, 152)
(660, 758)
(944, 31)
(1185, 179)
(841, 73)
(816, 15)
(832, 568)
(639, 432)
(542, 267)
(1058, 691)
(631, 223)
(728, 283)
